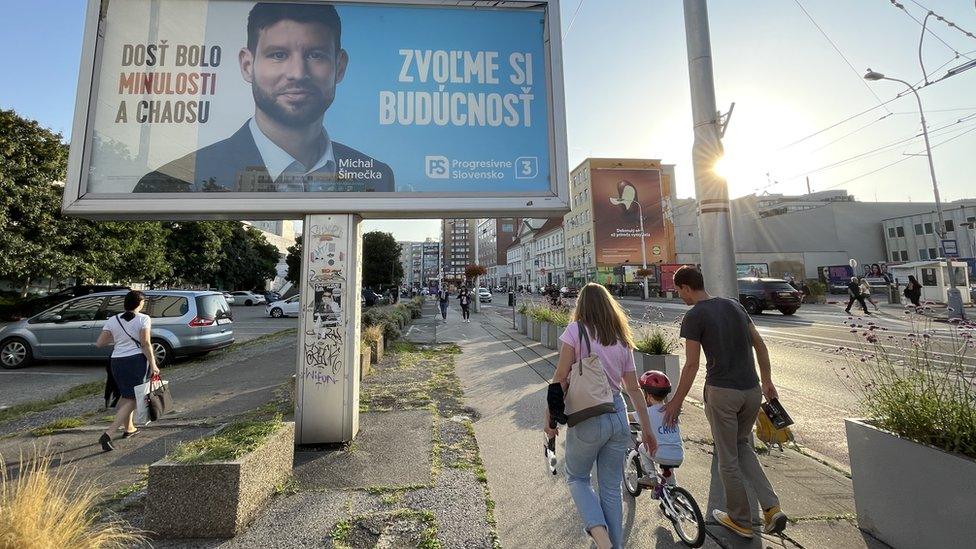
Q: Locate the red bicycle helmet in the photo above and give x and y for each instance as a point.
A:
(655, 383)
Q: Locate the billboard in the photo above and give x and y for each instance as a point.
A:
(619, 198)
(201, 107)
(752, 270)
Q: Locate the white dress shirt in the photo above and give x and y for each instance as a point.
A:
(278, 162)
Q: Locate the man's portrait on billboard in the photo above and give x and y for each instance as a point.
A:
(293, 62)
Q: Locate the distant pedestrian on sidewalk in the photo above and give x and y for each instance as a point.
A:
(599, 328)
(854, 291)
(723, 329)
(443, 299)
(132, 360)
(464, 298)
(913, 291)
(866, 293)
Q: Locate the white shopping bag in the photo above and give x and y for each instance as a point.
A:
(142, 403)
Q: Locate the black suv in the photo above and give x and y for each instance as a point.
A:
(759, 294)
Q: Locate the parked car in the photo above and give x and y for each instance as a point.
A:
(38, 304)
(484, 295)
(371, 298)
(284, 307)
(568, 291)
(760, 294)
(184, 323)
(229, 297)
(248, 298)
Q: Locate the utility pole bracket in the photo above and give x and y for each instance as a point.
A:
(723, 120)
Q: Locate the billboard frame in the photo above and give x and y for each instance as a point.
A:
(262, 205)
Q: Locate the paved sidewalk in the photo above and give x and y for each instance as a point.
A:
(505, 376)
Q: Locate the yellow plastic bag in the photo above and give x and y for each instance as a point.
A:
(769, 434)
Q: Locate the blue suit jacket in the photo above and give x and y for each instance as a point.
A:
(235, 164)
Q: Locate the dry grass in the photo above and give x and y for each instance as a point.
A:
(41, 509)
(373, 333)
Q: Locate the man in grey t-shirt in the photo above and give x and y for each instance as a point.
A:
(723, 330)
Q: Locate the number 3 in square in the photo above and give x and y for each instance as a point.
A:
(526, 167)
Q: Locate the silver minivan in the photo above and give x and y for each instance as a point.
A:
(184, 323)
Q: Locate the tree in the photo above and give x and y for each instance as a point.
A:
(32, 161)
(381, 260)
(474, 271)
(294, 262)
(249, 260)
(195, 250)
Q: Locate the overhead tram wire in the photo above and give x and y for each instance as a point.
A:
(573, 20)
(881, 149)
(869, 109)
(841, 53)
(947, 22)
(926, 29)
(899, 161)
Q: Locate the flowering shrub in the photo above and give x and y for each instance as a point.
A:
(917, 384)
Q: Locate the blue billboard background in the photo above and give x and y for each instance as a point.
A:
(373, 37)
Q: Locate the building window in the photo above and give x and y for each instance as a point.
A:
(904, 255)
(918, 229)
(923, 253)
(950, 226)
(928, 277)
(891, 232)
(933, 253)
(928, 228)
(971, 220)
(900, 231)
(894, 256)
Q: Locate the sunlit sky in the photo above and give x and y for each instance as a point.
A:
(627, 90)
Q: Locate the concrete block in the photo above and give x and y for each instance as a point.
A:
(901, 485)
(365, 359)
(548, 335)
(535, 329)
(217, 500)
(377, 351)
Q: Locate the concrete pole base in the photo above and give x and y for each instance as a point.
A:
(327, 380)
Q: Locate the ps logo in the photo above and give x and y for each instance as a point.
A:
(526, 167)
(436, 167)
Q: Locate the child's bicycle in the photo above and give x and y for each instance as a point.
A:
(676, 503)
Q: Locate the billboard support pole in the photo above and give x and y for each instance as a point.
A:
(714, 215)
(643, 248)
(327, 371)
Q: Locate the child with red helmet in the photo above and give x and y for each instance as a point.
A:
(670, 454)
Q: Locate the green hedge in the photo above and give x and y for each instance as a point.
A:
(557, 316)
(393, 318)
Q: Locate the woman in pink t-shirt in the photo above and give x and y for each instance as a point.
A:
(603, 439)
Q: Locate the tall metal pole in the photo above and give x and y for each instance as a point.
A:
(714, 216)
(640, 210)
(953, 296)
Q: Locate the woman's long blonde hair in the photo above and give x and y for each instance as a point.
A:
(597, 310)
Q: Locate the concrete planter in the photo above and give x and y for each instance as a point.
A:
(522, 323)
(548, 335)
(365, 359)
(909, 494)
(376, 348)
(219, 499)
(535, 328)
(662, 363)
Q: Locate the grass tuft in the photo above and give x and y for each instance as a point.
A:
(57, 425)
(40, 508)
(232, 442)
(84, 390)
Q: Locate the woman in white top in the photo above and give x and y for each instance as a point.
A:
(132, 360)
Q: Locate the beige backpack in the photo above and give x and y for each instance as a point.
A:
(589, 392)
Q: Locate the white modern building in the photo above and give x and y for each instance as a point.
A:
(918, 237)
(550, 252)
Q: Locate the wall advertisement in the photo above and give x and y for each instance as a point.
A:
(619, 197)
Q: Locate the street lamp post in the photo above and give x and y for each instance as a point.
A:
(953, 296)
(640, 211)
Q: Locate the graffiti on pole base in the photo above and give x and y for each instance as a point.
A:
(324, 321)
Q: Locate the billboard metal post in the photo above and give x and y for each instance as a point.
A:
(714, 215)
(327, 374)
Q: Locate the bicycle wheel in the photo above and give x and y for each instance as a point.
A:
(632, 473)
(689, 523)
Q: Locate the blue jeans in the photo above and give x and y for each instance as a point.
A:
(605, 440)
(444, 305)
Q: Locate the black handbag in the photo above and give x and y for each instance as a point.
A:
(160, 399)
